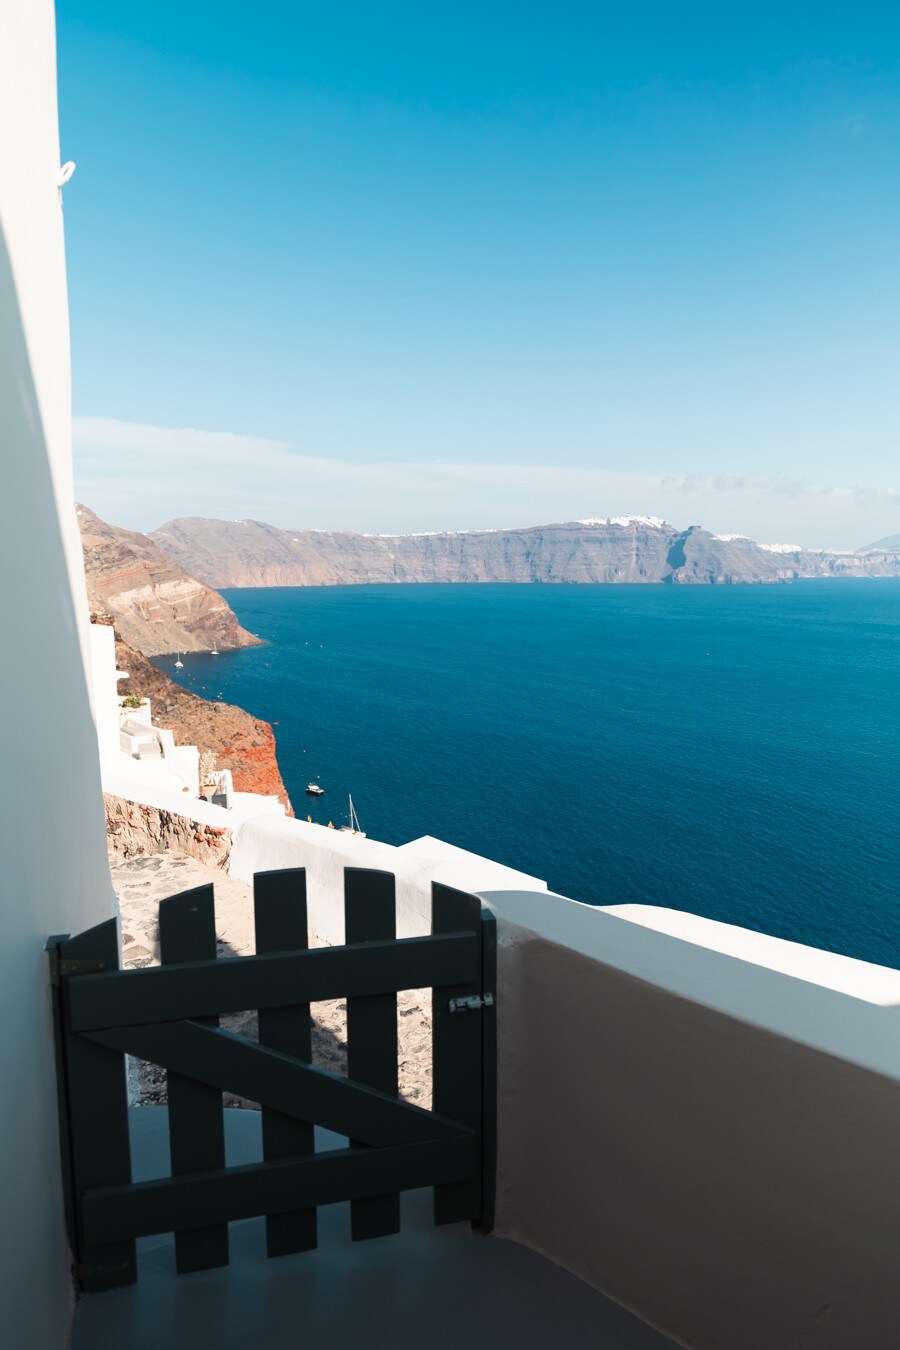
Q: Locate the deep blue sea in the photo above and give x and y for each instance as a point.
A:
(733, 751)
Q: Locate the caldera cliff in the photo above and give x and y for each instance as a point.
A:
(619, 549)
(157, 606)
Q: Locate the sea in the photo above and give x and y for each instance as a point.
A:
(730, 751)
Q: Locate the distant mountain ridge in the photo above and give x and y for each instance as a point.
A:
(891, 544)
(242, 553)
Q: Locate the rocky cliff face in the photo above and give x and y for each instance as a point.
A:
(157, 607)
(134, 830)
(623, 549)
(241, 743)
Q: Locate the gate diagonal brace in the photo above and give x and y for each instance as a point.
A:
(232, 1063)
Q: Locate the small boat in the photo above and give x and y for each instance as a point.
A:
(353, 827)
(179, 664)
(314, 790)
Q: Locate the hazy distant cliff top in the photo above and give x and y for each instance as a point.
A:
(891, 544)
(156, 605)
(615, 549)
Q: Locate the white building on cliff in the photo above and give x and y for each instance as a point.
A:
(139, 759)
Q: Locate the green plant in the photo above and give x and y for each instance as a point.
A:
(132, 701)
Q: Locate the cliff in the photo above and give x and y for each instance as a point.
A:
(241, 743)
(621, 549)
(157, 607)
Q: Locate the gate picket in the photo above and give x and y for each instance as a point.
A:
(187, 932)
(279, 907)
(96, 1106)
(370, 914)
(456, 1051)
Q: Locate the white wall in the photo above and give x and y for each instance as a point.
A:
(104, 689)
(53, 872)
(266, 843)
(32, 223)
(710, 1142)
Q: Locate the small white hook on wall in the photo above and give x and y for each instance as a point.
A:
(65, 173)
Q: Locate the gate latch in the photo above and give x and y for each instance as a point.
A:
(472, 1003)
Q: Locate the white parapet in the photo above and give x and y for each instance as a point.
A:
(266, 843)
(701, 1122)
(830, 970)
(151, 785)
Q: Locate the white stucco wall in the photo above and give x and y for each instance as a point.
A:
(266, 843)
(105, 689)
(53, 872)
(33, 226)
(710, 1142)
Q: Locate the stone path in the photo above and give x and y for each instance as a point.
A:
(140, 884)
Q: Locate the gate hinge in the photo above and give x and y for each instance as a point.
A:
(472, 1003)
(60, 966)
(83, 1272)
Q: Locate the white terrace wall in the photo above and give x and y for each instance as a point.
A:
(267, 843)
(712, 1143)
(53, 872)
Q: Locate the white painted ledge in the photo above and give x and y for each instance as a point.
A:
(266, 843)
(844, 1008)
(830, 970)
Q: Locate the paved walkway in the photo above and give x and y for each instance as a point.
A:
(140, 884)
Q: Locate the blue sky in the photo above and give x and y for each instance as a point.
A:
(396, 266)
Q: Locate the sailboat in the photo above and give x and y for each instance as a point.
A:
(353, 827)
(213, 651)
(179, 664)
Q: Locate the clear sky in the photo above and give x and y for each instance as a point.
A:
(409, 266)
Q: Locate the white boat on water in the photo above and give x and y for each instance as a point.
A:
(353, 827)
(314, 790)
(179, 664)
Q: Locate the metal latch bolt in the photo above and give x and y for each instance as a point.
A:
(60, 967)
(472, 1003)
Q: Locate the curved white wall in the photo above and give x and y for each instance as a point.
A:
(53, 872)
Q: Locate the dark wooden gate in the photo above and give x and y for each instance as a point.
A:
(168, 1014)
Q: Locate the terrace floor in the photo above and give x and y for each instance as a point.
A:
(426, 1288)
